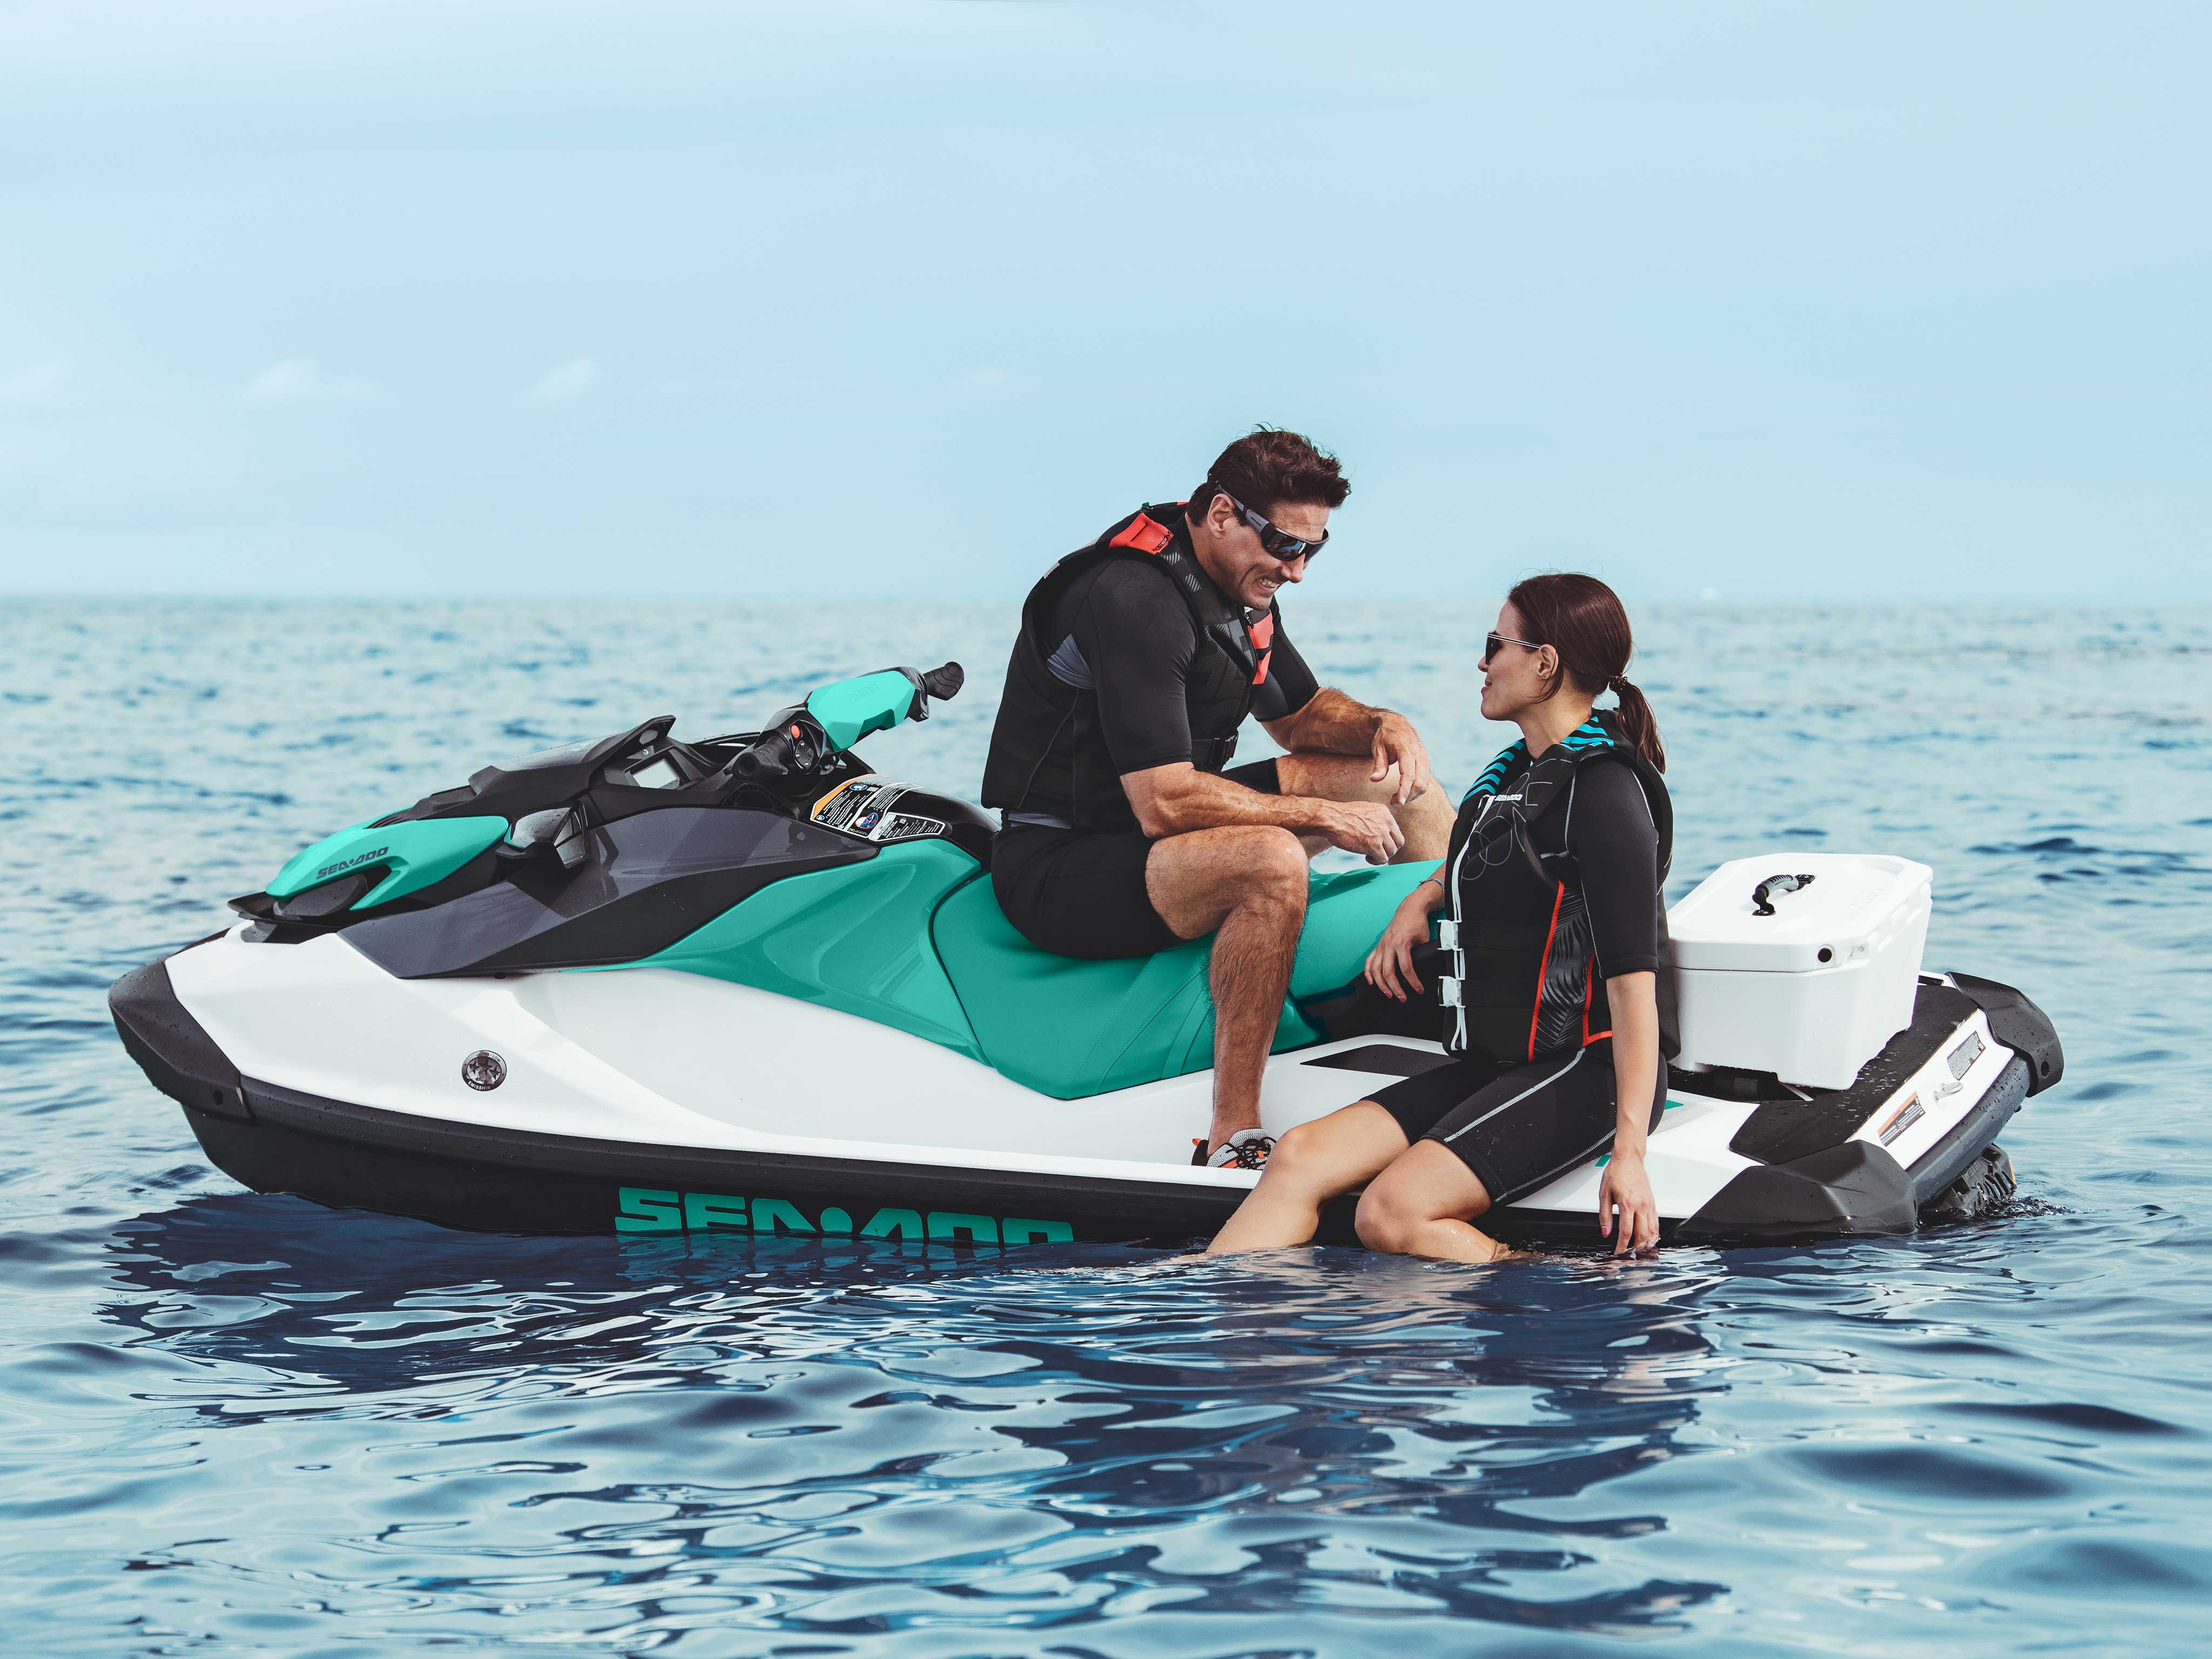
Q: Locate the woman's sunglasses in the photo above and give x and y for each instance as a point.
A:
(1492, 639)
(1279, 544)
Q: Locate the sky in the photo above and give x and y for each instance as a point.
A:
(907, 297)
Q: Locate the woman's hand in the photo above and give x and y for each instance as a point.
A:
(1390, 963)
(1625, 1184)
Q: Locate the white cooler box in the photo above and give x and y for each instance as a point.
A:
(1813, 992)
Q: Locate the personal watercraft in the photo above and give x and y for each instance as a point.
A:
(748, 985)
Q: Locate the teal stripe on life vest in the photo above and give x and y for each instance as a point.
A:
(1494, 774)
(1591, 735)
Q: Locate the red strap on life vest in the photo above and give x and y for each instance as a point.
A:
(1544, 966)
(1146, 535)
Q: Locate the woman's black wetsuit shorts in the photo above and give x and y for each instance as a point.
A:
(1517, 1127)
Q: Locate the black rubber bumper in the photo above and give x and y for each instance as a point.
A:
(1855, 1189)
(2022, 1026)
(178, 1057)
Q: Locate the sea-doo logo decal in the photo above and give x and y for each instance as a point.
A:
(483, 1070)
(348, 863)
(660, 1210)
(1903, 1118)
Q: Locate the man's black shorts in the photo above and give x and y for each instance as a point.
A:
(1517, 1127)
(1081, 892)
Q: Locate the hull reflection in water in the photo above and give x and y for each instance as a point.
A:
(816, 1438)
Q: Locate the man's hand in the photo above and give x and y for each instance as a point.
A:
(1396, 743)
(1624, 1183)
(1366, 828)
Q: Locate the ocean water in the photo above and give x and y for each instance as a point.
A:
(245, 1424)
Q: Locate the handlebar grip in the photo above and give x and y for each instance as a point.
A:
(944, 683)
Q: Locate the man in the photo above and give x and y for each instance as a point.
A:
(1127, 831)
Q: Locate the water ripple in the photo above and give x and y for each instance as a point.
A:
(245, 1424)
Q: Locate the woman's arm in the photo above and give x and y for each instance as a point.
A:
(1634, 998)
(1392, 958)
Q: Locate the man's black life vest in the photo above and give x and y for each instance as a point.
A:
(1528, 984)
(1048, 753)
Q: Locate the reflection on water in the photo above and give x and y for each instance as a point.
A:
(238, 1424)
(849, 1441)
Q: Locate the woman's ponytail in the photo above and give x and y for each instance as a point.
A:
(1582, 619)
(1636, 721)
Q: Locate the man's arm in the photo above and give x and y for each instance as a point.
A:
(1331, 723)
(1171, 800)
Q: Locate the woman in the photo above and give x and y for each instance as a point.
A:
(1558, 932)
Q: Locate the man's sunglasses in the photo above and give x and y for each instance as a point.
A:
(1279, 544)
(1492, 639)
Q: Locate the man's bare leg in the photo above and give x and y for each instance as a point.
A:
(1247, 886)
(1427, 820)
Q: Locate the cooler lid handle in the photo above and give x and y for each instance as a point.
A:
(1762, 896)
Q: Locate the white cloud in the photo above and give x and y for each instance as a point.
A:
(297, 380)
(37, 383)
(569, 381)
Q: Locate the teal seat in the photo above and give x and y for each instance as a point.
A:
(1068, 1027)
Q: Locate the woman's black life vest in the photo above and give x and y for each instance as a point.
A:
(1526, 983)
(1048, 755)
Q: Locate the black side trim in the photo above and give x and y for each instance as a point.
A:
(1852, 1190)
(178, 1057)
(2022, 1027)
(1386, 1060)
(1780, 1132)
(1942, 1163)
(489, 1180)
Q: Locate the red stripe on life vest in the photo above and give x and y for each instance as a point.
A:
(1543, 967)
(1263, 633)
(1146, 535)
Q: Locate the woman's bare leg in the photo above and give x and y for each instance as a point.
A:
(1311, 1164)
(1423, 1205)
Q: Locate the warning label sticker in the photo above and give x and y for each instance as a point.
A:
(862, 807)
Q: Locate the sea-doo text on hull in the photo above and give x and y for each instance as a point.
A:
(648, 986)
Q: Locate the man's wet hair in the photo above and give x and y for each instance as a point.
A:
(1268, 467)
